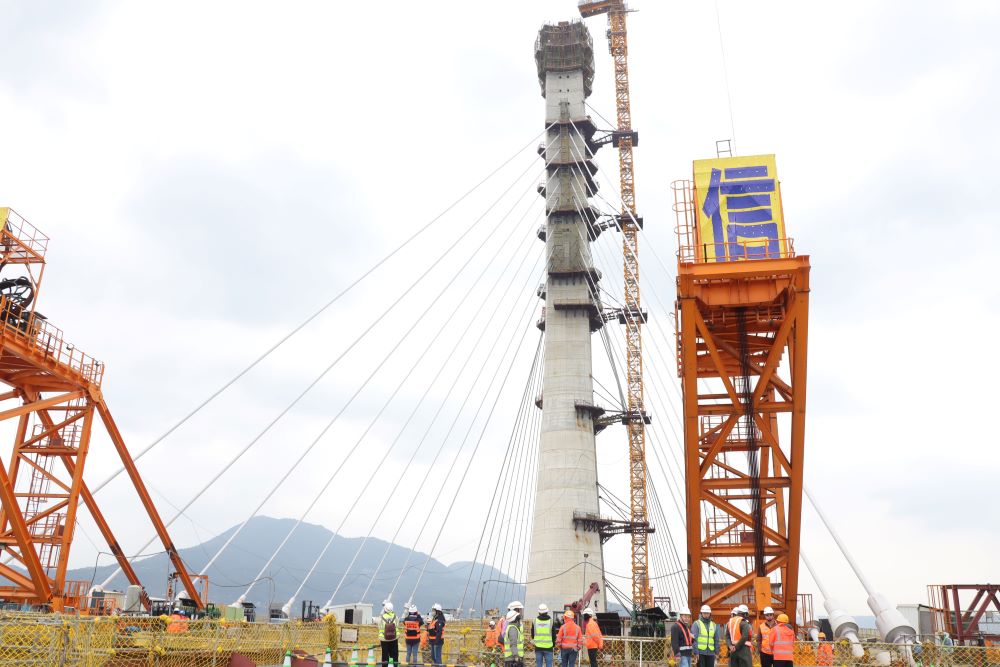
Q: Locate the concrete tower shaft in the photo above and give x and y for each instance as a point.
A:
(565, 559)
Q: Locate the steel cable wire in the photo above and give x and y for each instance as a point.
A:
(321, 310)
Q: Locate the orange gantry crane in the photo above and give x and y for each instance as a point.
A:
(742, 308)
(625, 139)
(53, 398)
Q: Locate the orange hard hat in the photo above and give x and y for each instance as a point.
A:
(782, 618)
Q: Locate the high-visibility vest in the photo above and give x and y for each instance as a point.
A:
(507, 652)
(686, 633)
(387, 617)
(543, 633)
(765, 638)
(434, 631)
(782, 642)
(734, 628)
(824, 654)
(177, 624)
(570, 635)
(491, 638)
(593, 636)
(412, 630)
(706, 635)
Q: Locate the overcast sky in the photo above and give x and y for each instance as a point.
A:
(210, 173)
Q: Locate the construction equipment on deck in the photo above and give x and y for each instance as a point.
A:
(54, 396)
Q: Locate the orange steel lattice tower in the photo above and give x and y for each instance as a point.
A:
(53, 398)
(742, 309)
(625, 138)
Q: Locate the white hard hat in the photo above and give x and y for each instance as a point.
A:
(413, 608)
(492, 623)
(684, 611)
(705, 609)
(742, 609)
(768, 610)
(516, 604)
(735, 611)
(436, 607)
(543, 608)
(512, 616)
(388, 606)
(588, 612)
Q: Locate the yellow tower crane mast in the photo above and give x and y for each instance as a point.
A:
(625, 139)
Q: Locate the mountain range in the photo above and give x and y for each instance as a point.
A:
(232, 573)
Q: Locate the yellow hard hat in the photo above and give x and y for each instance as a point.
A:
(782, 618)
(822, 635)
(568, 614)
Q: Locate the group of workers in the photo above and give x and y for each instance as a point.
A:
(415, 632)
(505, 637)
(701, 641)
(548, 634)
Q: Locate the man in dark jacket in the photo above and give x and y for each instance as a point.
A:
(681, 640)
(435, 634)
(738, 636)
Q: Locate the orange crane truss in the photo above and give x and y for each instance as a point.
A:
(742, 325)
(625, 139)
(53, 399)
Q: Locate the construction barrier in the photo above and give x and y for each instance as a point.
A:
(52, 640)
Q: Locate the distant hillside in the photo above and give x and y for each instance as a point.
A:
(229, 576)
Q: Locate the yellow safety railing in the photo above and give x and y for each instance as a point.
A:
(53, 640)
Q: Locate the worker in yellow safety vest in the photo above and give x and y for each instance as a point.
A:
(513, 645)
(707, 639)
(544, 635)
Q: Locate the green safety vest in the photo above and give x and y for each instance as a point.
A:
(507, 653)
(706, 636)
(543, 633)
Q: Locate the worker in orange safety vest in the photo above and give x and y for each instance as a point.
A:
(782, 641)
(592, 637)
(824, 652)
(569, 640)
(738, 636)
(761, 640)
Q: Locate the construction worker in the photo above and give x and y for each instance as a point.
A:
(411, 633)
(782, 641)
(544, 636)
(739, 633)
(513, 606)
(435, 634)
(707, 641)
(824, 651)
(178, 622)
(947, 647)
(681, 639)
(569, 639)
(513, 645)
(491, 644)
(388, 635)
(760, 638)
(592, 637)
